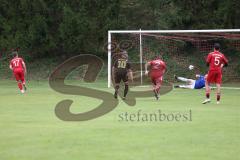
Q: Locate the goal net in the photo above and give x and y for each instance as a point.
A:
(178, 48)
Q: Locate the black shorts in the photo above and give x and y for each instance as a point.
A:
(121, 76)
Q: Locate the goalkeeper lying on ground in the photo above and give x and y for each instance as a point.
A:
(191, 83)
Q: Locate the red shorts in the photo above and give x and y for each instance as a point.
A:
(19, 74)
(214, 77)
(156, 77)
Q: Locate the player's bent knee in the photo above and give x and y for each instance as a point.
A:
(117, 86)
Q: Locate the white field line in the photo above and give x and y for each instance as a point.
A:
(148, 86)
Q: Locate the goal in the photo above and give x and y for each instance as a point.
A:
(178, 48)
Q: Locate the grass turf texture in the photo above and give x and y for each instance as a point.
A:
(30, 130)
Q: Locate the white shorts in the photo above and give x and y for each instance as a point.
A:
(191, 85)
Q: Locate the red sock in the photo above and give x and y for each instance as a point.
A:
(207, 95)
(20, 86)
(218, 97)
(158, 89)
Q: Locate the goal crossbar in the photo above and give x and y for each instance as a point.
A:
(174, 31)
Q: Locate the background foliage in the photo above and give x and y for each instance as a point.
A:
(56, 30)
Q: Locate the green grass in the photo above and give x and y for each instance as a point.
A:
(29, 129)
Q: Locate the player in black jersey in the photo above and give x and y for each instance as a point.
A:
(121, 69)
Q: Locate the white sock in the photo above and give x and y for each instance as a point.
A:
(182, 79)
(185, 86)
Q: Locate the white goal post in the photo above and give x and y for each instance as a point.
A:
(140, 32)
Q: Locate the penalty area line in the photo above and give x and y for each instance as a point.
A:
(234, 88)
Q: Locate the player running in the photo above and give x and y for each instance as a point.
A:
(191, 83)
(19, 69)
(157, 70)
(216, 61)
(121, 69)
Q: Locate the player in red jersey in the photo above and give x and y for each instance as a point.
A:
(157, 70)
(216, 61)
(19, 69)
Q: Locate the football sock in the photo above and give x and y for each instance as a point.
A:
(218, 97)
(125, 90)
(116, 91)
(158, 89)
(155, 94)
(20, 85)
(182, 79)
(25, 88)
(207, 95)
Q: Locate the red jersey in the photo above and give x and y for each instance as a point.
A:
(215, 60)
(157, 65)
(16, 63)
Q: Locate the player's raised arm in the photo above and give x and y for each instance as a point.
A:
(164, 67)
(113, 69)
(24, 66)
(225, 61)
(130, 73)
(146, 68)
(10, 66)
(129, 70)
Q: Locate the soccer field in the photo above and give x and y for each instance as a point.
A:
(31, 131)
